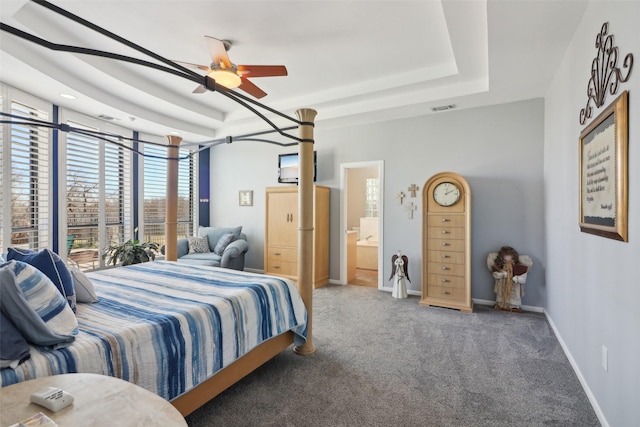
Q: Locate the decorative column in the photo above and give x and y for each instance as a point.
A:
(171, 221)
(305, 222)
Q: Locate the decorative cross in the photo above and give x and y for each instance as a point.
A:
(413, 188)
(410, 208)
(400, 196)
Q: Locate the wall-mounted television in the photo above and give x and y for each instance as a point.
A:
(288, 168)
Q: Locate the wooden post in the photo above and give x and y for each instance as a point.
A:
(171, 221)
(305, 222)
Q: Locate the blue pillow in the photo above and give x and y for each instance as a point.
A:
(223, 243)
(52, 266)
(36, 308)
(13, 347)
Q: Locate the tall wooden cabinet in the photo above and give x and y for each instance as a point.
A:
(446, 242)
(281, 233)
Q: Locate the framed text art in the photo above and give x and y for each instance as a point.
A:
(603, 172)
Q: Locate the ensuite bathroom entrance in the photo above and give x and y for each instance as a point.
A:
(361, 219)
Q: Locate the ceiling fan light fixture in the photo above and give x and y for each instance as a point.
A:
(226, 78)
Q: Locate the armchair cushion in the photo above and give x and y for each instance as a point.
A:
(215, 233)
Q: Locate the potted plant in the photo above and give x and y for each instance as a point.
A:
(130, 252)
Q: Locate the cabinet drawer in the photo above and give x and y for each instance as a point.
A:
(446, 245)
(446, 233)
(283, 268)
(455, 294)
(282, 254)
(446, 281)
(446, 268)
(440, 220)
(446, 257)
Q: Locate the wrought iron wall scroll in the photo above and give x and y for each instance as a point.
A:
(605, 73)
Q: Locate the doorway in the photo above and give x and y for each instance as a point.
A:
(361, 222)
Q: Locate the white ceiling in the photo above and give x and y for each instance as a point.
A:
(352, 61)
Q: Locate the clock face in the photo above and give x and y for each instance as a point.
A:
(446, 193)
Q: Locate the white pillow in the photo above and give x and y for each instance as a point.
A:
(85, 291)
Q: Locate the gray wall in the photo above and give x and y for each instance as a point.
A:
(498, 149)
(592, 282)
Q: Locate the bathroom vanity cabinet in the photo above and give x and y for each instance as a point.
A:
(446, 242)
(281, 233)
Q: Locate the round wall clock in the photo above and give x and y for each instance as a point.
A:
(446, 193)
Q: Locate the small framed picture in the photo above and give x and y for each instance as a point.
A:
(246, 198)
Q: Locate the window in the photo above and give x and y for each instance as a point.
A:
(372, 202)
(94, 188)
(155, 193)
(98, 196)
(27, 152)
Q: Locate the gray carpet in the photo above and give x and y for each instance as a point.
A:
(381, 361)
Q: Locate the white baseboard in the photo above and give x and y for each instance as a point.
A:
(524, 307)
(576, 369)
(384, 288)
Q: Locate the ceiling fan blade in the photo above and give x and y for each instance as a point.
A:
(262, 70)
(218, 51)
(200, 89)
(252, 89)
(190, 65)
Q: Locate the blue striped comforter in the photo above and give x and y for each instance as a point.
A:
(167, 326)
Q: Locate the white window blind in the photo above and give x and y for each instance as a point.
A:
(98, 198)
(83, 191)
(29, 180)
(118, 209)
(155, 193)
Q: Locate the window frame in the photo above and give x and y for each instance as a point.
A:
(45, 233)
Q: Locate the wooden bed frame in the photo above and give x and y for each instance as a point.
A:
(225, 378)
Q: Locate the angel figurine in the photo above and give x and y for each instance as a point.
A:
(399, 270)
(509, 269)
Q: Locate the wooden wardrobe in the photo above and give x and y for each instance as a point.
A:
(281, 233)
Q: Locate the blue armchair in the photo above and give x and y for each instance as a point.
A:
(229, 256)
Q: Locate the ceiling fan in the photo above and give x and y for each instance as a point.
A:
(230, 75)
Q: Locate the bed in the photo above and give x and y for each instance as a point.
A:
(183, 332)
